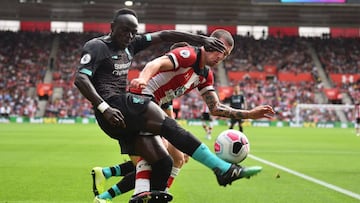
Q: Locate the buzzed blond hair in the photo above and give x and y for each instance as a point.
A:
(221, 33)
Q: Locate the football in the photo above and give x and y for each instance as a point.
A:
(232, 146)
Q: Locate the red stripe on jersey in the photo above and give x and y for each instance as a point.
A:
(167, 85)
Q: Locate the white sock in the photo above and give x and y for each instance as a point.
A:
(174, 172)
(142, 179)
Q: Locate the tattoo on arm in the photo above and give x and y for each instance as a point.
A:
(218, 109)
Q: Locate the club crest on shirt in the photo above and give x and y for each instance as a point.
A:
(85, 59)
(185, 53)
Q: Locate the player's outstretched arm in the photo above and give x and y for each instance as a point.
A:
(262, 111)
(209, 43)
(159, 64)
(218, 109)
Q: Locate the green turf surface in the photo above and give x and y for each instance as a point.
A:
(52, 163)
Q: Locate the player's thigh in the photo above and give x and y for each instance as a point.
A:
(154, 117)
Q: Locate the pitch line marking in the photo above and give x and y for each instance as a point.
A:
(311, 179)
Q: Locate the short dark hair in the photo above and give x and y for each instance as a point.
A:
(221, 33)
(124, 11)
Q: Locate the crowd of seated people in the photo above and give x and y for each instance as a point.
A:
(287, 54)
(339, 55)
(71, 105)
(24, 57)
(68, 56)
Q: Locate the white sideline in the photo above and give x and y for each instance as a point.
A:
(311, 179)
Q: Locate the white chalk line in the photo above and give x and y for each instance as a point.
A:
(311, 179)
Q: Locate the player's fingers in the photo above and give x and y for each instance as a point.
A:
(219, 45)
(216, 48)
(122, 124)
(135, 84)
(118, 122)
(267, 116)
(121, 119)
(268, 109)
(132, 84)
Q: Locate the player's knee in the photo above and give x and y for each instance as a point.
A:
(177, 155)
(134, 159)
(179, 160)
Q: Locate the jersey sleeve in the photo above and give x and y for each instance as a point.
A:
(92, 52)
(182, 56)
(207, 84)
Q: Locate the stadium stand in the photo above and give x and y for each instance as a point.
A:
(281, 72)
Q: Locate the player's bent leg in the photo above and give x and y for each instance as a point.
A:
(189, 144)
(126, 184)
(179, 161)
(100, 175)
(236, 172)
(142, 177)
(151, 197)
(177, 155)
(153, 151)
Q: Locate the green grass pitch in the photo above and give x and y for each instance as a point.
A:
(52, 163)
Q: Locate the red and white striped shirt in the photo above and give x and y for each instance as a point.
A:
(188, 73)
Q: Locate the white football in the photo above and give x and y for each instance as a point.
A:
(232, 146)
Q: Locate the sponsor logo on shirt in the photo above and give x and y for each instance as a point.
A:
(121, 69)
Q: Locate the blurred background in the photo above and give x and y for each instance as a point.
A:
(300, 56)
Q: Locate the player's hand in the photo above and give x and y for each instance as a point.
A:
(263, 111)
(213, 44)
(138, 83)
(114, 117)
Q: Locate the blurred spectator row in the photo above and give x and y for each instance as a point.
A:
(287, 54)
(25, 58)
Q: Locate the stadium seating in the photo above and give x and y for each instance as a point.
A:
(281, 72)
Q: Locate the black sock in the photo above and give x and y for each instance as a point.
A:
(126, 168)
(126, 184)
(160, 173)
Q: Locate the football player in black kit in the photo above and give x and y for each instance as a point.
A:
(134, 120)
(237, 101)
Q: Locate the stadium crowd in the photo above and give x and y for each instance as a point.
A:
(25, 59)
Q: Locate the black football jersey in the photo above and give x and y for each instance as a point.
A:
(237, 101)
(108, 66)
